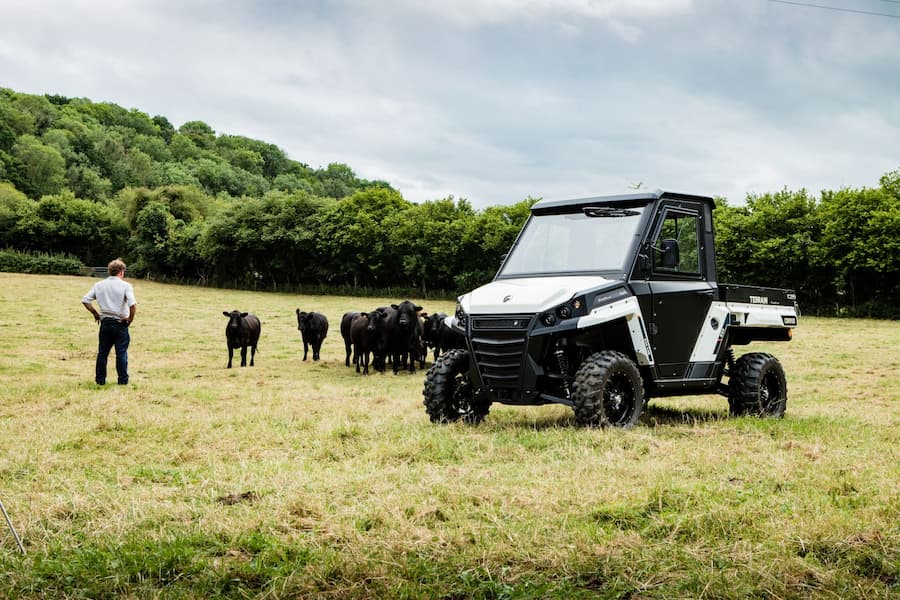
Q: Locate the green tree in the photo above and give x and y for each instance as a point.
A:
(61, 223)
(860, 246)
(183, 148)
(41, 110)
(165, 128)
(43, 167)
(150, 242)
(12, 206)
(355, 243)
(173, 173)
(430, 239)
(87, 183)
(336, 181)
(185, 203)
(200, 133)
(15, 122)
(268, 241)
(165, 225)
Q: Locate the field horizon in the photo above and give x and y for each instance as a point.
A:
(305, 479)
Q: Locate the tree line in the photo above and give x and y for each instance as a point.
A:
(94, 181)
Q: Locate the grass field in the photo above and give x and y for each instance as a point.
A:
(293, 479)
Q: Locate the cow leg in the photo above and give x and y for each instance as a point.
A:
(243, 356)
(252, 354)
(356, 358)
(316, 347)
(230, 356)
(347, 360)
(305, 349)
(366, 362)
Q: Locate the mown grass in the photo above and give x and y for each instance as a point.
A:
(294, 479)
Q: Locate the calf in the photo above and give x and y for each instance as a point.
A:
(313, 328)
(366, 333)
(346, 320)
(242, 330)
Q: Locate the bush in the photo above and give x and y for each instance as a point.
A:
(15, 261)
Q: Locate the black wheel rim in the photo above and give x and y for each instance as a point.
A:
(769, 393)
(618, 399)
(462, 395)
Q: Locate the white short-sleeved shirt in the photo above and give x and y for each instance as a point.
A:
(114, 296)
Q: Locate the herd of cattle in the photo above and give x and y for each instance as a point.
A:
(400, 334)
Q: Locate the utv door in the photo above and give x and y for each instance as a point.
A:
(680, 293)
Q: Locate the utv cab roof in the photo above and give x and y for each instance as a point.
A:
(636, 199)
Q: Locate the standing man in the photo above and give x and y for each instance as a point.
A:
(117, 307)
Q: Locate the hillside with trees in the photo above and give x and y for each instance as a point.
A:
(91, 181)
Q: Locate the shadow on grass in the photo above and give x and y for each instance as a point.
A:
(665, 416)
(524, 417)
(653, 416)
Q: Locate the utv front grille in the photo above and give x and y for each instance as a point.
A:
(494, 323)
(498, 344)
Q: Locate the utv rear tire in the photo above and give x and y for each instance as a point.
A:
(449, 394)
(757, 386)
(608, 391)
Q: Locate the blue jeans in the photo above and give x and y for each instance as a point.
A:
(113, 333)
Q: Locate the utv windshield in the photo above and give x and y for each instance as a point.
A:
(590, 240)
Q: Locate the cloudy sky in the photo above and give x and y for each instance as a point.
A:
(497, 100)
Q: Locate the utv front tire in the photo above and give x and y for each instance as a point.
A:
(757, 386)
(608, 391)
(449, 394)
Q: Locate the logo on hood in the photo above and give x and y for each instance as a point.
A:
(507, 298)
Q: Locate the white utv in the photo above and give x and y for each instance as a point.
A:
(605, 302)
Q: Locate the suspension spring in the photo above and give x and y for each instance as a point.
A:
(563, 362)
(729, 355)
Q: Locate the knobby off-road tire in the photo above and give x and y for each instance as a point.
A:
(757, 386)
(608, 391)
(449, 394)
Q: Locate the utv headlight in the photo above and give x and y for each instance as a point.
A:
(572, 308)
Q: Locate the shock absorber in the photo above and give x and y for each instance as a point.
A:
(729, 355)
(563, 361)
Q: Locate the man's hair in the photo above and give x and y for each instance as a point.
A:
(115, 267)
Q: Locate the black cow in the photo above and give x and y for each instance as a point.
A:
(242, 330)
(313, 328)
(441, 337)
(404, 332)
(345, 333)
(381, 353)
(366, 331)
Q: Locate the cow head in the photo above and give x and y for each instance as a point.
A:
(234, 320)
(302, 320)
(406, 313)
(433, 324)
(375, 320)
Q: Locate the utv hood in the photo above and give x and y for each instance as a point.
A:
(527, 295)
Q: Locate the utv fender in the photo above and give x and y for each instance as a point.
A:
(630, 310)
